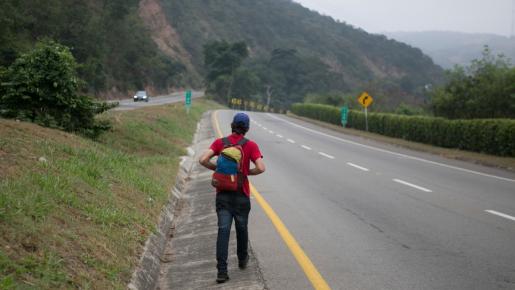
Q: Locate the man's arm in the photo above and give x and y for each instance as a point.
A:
(205, 159)
(260, 167)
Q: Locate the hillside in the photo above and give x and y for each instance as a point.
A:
(123, 46)
(108, 39)
(450, 48)
(357, 56)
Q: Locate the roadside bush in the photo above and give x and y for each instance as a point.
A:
(405, 109)
(492, 136)
(484, 89)
(42, 87)
(326, 113)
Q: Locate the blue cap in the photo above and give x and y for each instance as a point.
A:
(241, 118)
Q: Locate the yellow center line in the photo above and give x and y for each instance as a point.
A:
(305, 263)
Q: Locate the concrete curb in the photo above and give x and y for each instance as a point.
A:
(146, 275)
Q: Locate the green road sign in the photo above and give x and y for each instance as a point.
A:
(345, 114)
(188, 98)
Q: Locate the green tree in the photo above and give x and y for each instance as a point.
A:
(221, 60)
(485, 89)
(326, 99)
(108, 39)
(246, 84)
(293, 76)
(42, 87)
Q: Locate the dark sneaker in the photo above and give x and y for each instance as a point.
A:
(242, 264)
(222, 277)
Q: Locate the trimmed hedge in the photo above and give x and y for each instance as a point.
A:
(326, 113)
(492, 136)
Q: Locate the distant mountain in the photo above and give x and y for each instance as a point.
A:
(450, 48)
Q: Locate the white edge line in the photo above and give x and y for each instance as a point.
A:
(501, 214)
(358, 167)
(306, 147)
(326, 155)
(412, 185)
(394, 153)
(291, 141)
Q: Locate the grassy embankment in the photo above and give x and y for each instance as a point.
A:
(75, 213)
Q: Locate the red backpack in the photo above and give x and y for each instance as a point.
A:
(223, 181)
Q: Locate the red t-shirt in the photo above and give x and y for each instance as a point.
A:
(250, 153)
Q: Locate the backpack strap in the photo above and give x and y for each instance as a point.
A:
(241, 177)
(243, 141)
(226, 142)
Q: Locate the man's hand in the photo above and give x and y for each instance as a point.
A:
(260, 167)
(205, 160)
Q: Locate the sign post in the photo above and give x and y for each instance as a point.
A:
(345, 114)
(365, 100)
(187, 102)
(366, 119)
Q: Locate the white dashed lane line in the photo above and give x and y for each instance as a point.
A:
(391, 152)
(291, 141)
(501, 214)
(271, 132)
(306, 147)
(280, 136)
(357, 166)
(326, 155)
(412, 185)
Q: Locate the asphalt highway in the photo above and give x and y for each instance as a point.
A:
(374, 216)
(129, 104)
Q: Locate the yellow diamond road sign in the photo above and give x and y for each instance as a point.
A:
(365, 99)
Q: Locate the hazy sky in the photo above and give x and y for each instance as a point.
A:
(491, 16)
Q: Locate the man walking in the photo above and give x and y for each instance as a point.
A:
(234, 204)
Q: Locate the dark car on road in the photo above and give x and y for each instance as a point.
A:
(141, 96)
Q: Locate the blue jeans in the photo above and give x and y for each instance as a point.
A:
(229, 206)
